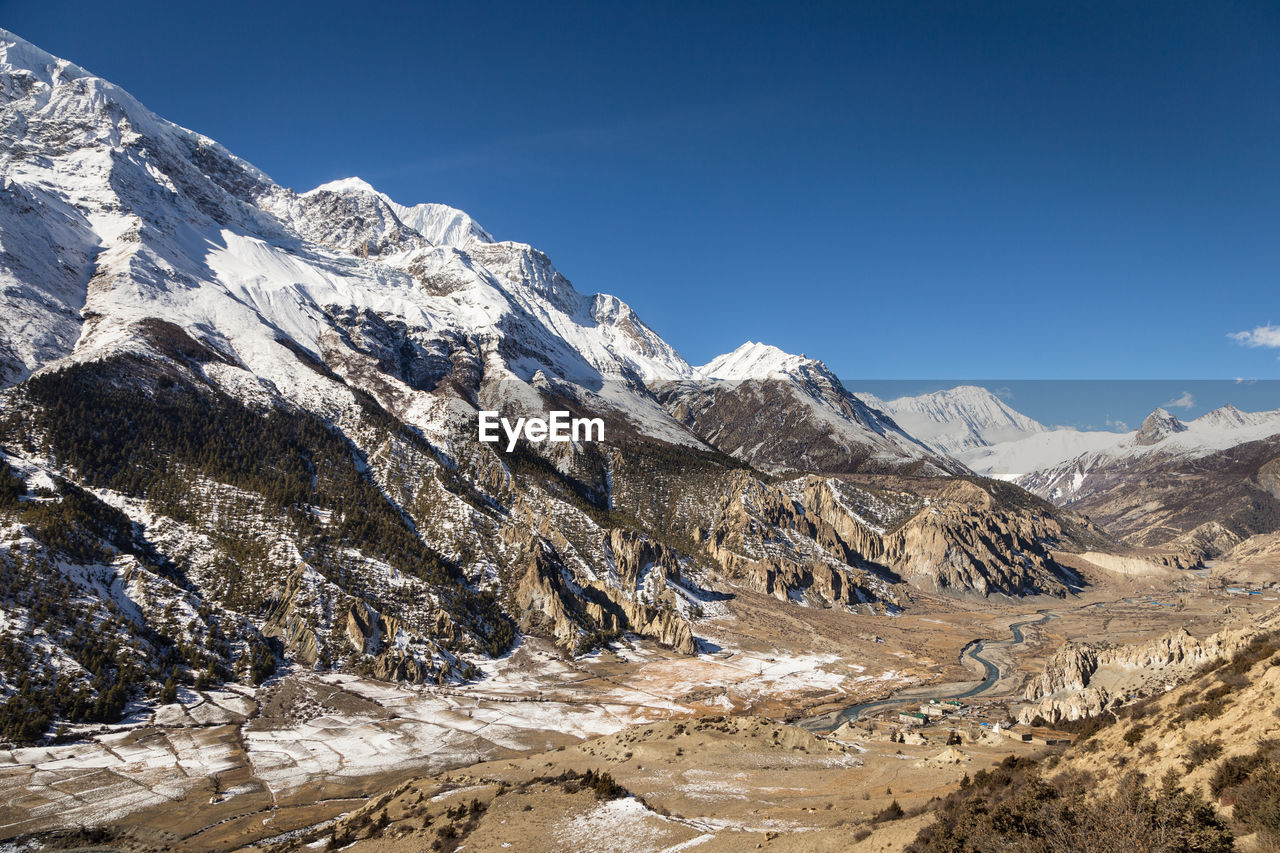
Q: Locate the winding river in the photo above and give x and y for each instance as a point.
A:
(991, 674)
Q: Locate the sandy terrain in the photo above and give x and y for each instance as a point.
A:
(710, 784)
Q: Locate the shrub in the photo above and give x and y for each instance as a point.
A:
(893, 811)
(1233, 772)
(1257, 804)
(1028, 814)
(1134, 735)
(603, 785)
(1231, 681)
(1085, 728)
(1258, 649)
(1201, 751)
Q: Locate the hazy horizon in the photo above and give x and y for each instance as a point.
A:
(1116, 405)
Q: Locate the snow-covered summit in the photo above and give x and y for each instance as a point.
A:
(753, 361)
(1063, 464)
(1161, 433)
(345, 185)
(822, 416)
(974, 426)
(1158, 426)
(441, 224)
(1228, 417)
(958, 421)
(438, 223)
(111, 217)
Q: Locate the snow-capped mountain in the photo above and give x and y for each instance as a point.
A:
(958, 421)
(239, 428)
(781, 411)
(440, 224)
(974, 426)
(1192, 488)
(1228, 418)
(130, 218)
(1161, 424)
(1162, 436)
(112, 215)
(1008, 460)
(754, 361)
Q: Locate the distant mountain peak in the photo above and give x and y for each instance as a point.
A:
(827, 427)
(440, 224)
(958, 421)
(755, 360)
(351, 184)
(1228, 416)
(1158, 426)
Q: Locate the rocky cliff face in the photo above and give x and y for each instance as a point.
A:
(962, 538)
(870, 538)
(1082, 680)
(1158, 426)
(809, 561)
(1191, 549)
(985, 551)
(581, 613)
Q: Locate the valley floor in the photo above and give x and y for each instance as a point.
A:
(701, 739)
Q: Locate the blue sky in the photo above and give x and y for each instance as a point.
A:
(907, 189)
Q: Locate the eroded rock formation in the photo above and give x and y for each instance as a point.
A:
(1082, 680)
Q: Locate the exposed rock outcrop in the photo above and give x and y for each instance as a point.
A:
(634, 554)
(290, 621)
(319, 624)
(768, 539)
(1191, 549)
(967, 543)
(548, 599)
(963, 543)
(959, 548)
(1262, 550)
(1157, 426)
(1082, 680)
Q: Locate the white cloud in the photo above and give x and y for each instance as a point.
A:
(1117, 424)
(1262, 336)
(1185, 400)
